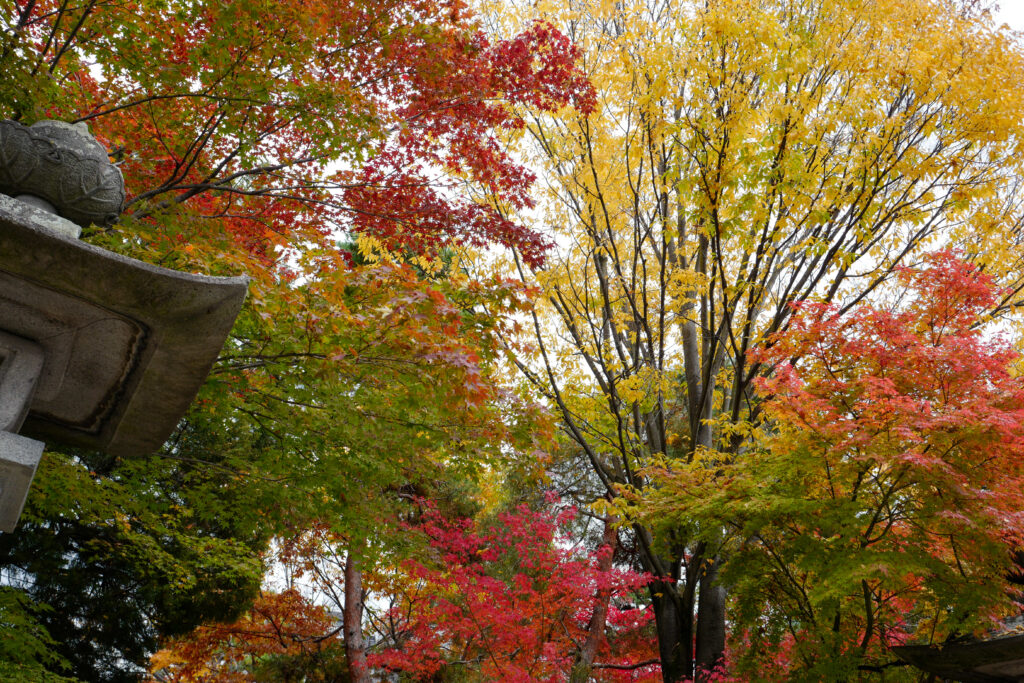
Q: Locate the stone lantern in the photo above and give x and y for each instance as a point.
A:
(995, 658)
(96, 350)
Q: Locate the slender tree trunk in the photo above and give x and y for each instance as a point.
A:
(710, 623)
(595, 628)
(355, 650)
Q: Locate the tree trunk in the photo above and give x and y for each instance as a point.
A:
(355, 650)
(595, 628)
(710, 623)
(673, 619)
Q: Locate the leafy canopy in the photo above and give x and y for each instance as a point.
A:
(881, 500)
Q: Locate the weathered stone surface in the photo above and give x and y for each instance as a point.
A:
(998, 659)
(19, 457)
(126, 344)
(37, 202)
(30, 213)
(64, 165)
(21, 363)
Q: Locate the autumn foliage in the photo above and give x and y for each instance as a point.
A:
(328, 150)
(242, 113)
(643, 189)
(883, 501)
(509, 600)
(279, 625)
(744, 155)
(452, 115)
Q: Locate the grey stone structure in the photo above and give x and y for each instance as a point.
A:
(60, 167)
(21, 363)
(96, 350)
(996, 658)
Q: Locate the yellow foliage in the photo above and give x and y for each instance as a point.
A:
(743, 155)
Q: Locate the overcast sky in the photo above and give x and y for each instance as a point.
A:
(1012, 13)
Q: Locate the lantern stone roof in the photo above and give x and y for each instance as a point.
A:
(997, 657)
(126, 344)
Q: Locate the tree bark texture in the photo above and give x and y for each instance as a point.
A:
(599, 617)
(710, 624)
(355, 649)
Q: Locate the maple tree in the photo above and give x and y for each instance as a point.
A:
(881, 504)
(259, 137)
(735, 157)
(743, 155)
(283, 637)
(244, 110)
(371, 426)
(512, 601)
(501, 600)
(270, 445)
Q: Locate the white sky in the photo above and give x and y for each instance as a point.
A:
(1012, 13)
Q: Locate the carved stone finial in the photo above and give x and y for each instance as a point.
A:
(63, 165)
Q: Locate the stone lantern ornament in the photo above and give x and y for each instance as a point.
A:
(61, 169)
(97, 350)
